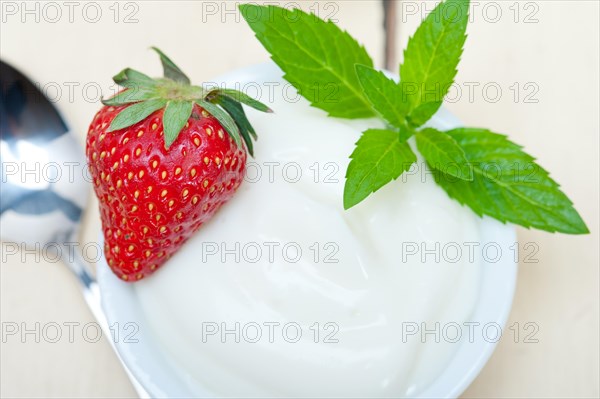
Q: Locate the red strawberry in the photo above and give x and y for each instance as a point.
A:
(164, 156)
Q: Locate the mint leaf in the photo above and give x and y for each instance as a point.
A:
(384, 94)
(176, 115)
(508, 185)
(420, 115)
(379, 157)
(443, 153)
(317, 57)
(431, 59)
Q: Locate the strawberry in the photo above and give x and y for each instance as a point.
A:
(164, 156)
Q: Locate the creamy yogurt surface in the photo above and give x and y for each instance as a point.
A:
(283, 293)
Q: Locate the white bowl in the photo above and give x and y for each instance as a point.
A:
(160, 376)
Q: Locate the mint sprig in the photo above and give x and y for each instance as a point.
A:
(175, 94)
(478, 168)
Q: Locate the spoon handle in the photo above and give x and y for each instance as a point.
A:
(92, 296)
(389, 27)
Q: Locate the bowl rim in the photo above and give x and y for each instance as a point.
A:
(158, 374)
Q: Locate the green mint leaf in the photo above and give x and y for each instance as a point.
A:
(384, 94)
(420, 115)
(224, 119)
(379, 157)
(131, 95)
(508, 185)
(317, 57)
(443, 153)
(431, 58)
(177, 113)
(131, 78)
(136, 113)
(171, 71)
(244, 99)
(236, 111)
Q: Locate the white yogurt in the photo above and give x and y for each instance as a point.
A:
(369, 296)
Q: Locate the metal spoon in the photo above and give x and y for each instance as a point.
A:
(43, 187)
(389, 27)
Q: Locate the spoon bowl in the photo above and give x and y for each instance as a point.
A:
(43, 168)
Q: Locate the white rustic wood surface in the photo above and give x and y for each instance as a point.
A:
(559, 54)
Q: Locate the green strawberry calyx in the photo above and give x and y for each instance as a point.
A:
(176, 95)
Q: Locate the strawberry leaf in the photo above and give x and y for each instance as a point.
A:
(177, 96)
(131, 78)
(236, 111)
(379, 157)
(136, 113)
(243, 98)
(431, 58)
(317, 57)
(508, 185)
(177, 113)
(443, 153)
(132, 95)
(171, 71)
(224, 118)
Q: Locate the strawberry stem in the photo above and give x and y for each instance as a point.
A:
(145, 95)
